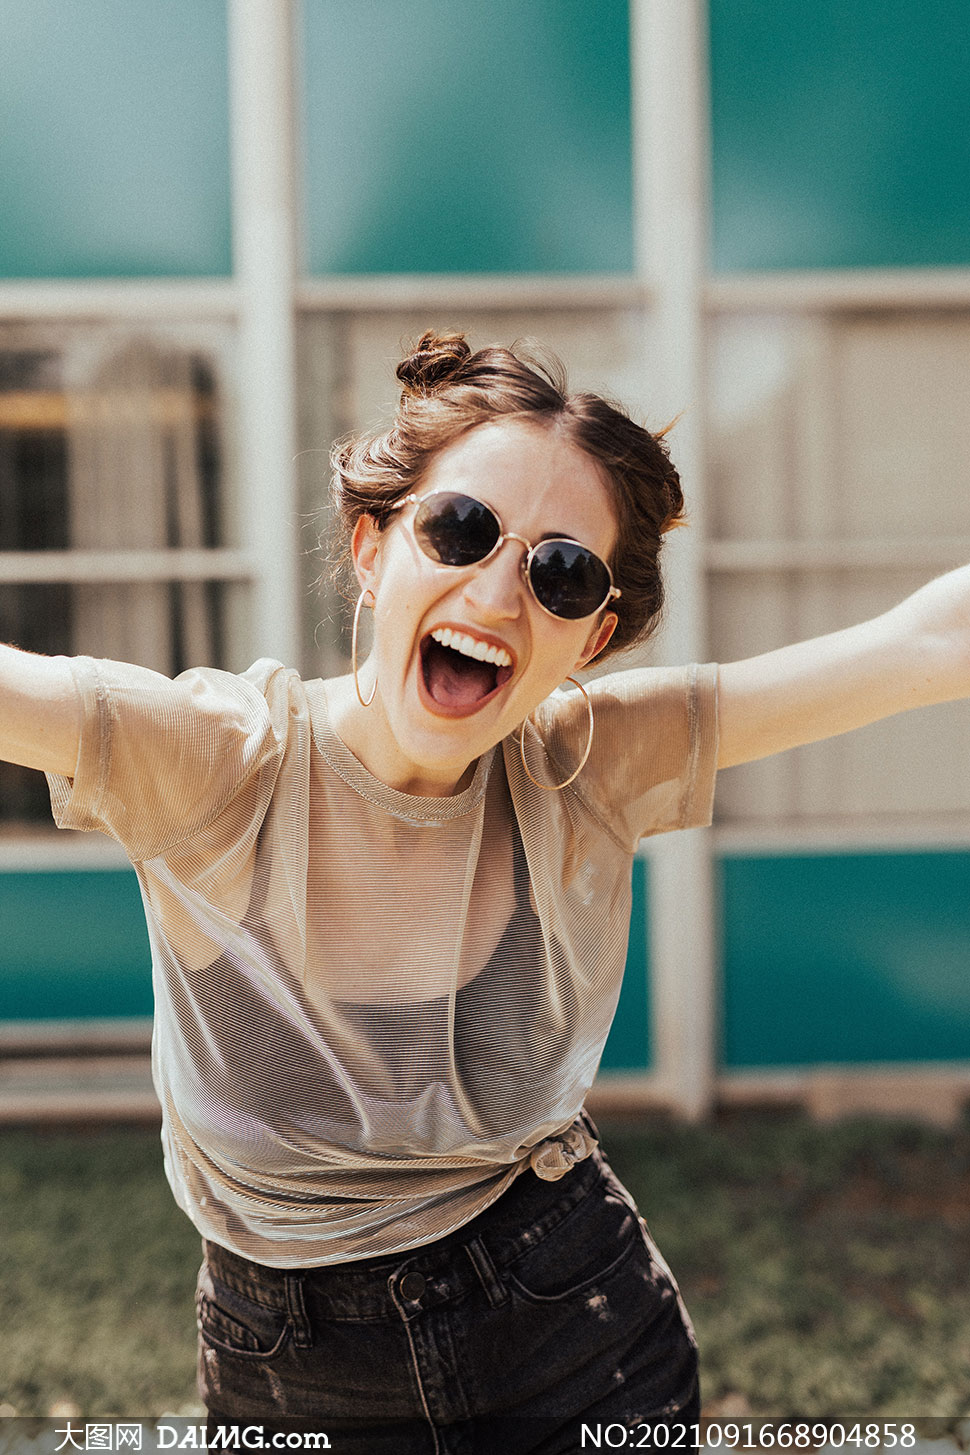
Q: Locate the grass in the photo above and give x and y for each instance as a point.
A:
(825, 1268)
(98, 1268)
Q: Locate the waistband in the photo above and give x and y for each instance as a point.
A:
(432, 1273)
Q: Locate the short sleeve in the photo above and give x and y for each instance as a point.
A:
(653, 760)
(160, 759)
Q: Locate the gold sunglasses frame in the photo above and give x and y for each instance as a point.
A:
(510, 535)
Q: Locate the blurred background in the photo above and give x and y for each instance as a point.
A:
(220, 220)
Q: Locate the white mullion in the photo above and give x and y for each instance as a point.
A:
(264, 252)
(930, 553)
(391, 292)
(835, 290)
(668, 54)
(94, 566)
(122, 300)
(838, 834)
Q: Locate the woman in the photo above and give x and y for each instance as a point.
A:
(389, 915)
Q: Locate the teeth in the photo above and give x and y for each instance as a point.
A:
(469, 647)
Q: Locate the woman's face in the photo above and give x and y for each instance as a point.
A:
(434, 714)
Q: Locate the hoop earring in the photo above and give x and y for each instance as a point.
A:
(364, 701)
(555, 787)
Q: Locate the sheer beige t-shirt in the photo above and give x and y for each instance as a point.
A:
(373, 1009)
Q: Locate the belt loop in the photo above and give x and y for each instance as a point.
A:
(488, 1277)
(296, 1308)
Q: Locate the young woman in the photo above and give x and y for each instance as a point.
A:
(389, 914)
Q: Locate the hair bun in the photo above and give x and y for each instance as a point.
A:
(434, 361)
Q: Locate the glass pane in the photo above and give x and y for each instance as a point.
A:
(834, 433)
(840, 133)
(467, 138)
(112, 441)
(108, 441)
(33, 452)
(114, 149)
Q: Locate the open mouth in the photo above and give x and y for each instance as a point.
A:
(461, 674)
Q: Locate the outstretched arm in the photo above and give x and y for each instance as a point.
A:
(914, 655)
(39, 714)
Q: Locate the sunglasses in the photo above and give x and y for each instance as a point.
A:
(567, 579)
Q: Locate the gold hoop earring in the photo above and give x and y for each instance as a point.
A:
(364, 701)
(555, 787)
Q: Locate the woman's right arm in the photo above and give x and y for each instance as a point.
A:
(40, 720)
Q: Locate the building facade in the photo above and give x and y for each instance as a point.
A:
(221, 220)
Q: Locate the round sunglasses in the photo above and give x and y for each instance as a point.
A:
(567, 579)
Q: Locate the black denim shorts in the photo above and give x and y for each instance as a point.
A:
(550, 1311)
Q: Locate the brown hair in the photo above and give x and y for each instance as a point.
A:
(448, 390)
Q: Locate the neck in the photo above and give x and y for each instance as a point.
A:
(366, 732)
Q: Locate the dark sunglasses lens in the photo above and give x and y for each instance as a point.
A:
(455, 529)
(569, 580)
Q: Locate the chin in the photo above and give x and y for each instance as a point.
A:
(438, 744)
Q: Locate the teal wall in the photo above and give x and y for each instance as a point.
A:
(74, 946)
(846, 957)
(841, 133)
(114, 139)
(629, 1046)
(854, 957)
(467, 138)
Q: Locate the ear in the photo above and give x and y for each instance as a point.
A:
(598, 638)
(364, 547)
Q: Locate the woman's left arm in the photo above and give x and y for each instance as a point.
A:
(914, 655)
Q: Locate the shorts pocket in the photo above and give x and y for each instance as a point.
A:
(230, 1321)
(589, 1246)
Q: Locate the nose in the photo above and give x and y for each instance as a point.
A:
(495, 587)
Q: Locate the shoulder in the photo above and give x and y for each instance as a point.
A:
(652, 759)
(671, 698)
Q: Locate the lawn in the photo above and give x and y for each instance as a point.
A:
(826, 1268)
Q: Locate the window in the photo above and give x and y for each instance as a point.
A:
(113, 509)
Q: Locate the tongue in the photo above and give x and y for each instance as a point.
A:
(457, 681)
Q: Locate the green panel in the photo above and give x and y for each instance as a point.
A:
(114, 142)
(628, 1045)
(848, 957)
(468, 138)
(841, 133)
(74, 946)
